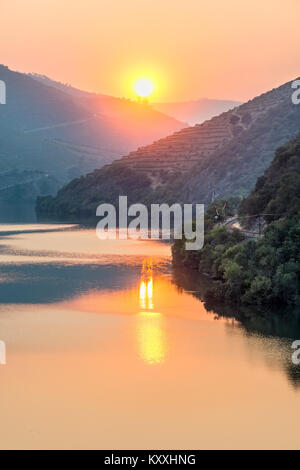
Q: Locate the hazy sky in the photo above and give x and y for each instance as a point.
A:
(232, 49)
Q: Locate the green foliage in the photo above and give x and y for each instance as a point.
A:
(278, 191)
(265, 270)
(259, 291)
(81, 197)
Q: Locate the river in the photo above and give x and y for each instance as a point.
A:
(105, 349)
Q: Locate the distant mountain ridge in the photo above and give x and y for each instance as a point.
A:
(133, 123)
(61, 132)
(197, 111)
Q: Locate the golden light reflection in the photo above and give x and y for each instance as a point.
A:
(152, 339)
(150, 288)
(151, 335)
(143, 290)
(146, 286)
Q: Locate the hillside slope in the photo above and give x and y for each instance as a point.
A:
(234, 169)
(120, 124)
(61, 134)
(220, 158)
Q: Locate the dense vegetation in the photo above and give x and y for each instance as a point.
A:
(277, 192)
(80, 198)
(264, 270)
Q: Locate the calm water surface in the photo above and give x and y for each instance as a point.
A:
(104, 350)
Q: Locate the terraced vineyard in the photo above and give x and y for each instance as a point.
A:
(185, 148)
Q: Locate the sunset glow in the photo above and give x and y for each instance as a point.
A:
(195, 51)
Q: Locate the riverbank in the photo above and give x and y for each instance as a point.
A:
(262, 272)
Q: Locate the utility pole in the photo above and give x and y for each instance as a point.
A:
(213, 196)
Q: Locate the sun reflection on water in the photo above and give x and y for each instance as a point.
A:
(151, 334)
(152, 341)
(146, 294)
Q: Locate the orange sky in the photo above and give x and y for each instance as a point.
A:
(229, 49)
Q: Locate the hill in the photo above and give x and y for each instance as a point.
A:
(198, 111)
(61, 132)
(130, 123)
(220, 158)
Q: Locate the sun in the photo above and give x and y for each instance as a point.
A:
(143, 88)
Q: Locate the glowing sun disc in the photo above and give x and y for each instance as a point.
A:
(143, 88)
